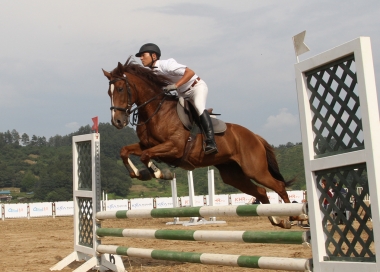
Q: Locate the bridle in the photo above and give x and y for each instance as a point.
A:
(128, 109)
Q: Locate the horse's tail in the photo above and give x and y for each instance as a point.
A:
(272, 163)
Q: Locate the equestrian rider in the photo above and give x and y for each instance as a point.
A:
(186, 82)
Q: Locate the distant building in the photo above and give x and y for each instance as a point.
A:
(10, 189)
(5, 198)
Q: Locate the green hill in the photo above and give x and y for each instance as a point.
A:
(43, 168)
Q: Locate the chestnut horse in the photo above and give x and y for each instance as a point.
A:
(243, 156)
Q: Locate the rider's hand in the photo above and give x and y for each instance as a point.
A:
(170, 87)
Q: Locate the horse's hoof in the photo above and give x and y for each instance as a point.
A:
(285, 224)
(144, 175)
(167, 174)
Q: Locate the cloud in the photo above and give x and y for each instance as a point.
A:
(244, 52)
(283, 119)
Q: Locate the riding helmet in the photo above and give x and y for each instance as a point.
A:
(151, 48)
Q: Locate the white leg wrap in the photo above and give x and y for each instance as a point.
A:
(135, 170)
(157, 172)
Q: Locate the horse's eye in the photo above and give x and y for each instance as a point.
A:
(120, 89)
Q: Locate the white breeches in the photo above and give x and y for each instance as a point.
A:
(197, 96)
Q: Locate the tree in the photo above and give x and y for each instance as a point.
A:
(289, 144)
(55, 141)
(6, 175)
(83, 130)
(25, 139)
(59, 194)
(15, 137)
(34, 140)
(291, 164)
(57, 174)
(114, 177)
(2, 139)
(28, 182)
(41, 141)
(8, 137)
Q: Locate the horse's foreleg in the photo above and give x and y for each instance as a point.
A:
(133, 149)
(132, 168)
(154, 170)
(163, 150)
(142, 174)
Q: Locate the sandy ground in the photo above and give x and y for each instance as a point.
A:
(39, 243)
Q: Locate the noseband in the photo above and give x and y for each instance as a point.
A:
(129, 106)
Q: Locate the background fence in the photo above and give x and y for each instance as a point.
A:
(66, 208)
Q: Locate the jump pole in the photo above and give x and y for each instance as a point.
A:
(295, 237)
(264, 237)
(88, 216)
(290, 209)
(290, 264)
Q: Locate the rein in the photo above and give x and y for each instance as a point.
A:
(128, 110)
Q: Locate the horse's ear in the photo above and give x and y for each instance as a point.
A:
(120, 68)
(108, 75)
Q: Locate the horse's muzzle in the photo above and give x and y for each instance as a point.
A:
(120, 120)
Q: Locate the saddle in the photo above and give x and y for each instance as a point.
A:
(188, 117)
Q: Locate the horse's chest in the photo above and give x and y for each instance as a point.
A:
(150, 138)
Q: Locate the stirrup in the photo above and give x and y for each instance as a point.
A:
(210, 147)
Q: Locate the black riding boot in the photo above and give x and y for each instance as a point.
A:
(208, 130)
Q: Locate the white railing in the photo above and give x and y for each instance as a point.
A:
(66, 208)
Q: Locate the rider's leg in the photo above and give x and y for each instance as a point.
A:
(206, 124)
(198, 98)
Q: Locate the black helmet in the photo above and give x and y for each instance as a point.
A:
(151, 48)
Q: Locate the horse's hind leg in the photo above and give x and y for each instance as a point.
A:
(259, 173)
(233, 175)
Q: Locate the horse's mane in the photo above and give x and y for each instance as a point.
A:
(146, 74)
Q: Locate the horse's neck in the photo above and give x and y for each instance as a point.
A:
(148, 97)
(144, 93)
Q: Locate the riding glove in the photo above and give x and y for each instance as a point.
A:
(170, 87)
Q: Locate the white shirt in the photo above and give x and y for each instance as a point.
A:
(174, 71)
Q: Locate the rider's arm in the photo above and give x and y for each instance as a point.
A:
(186, 77)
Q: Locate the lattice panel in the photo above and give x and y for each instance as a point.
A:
(347, 219)
(84, 165)
(335, 106)
(85, 222)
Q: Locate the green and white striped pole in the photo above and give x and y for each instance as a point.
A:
(290, 264)
(275, 237)
(290, 209)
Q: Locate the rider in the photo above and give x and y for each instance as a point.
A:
(186, 82)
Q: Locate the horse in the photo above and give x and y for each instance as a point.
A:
(243, 155)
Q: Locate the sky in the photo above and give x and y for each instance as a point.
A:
(52, 54)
